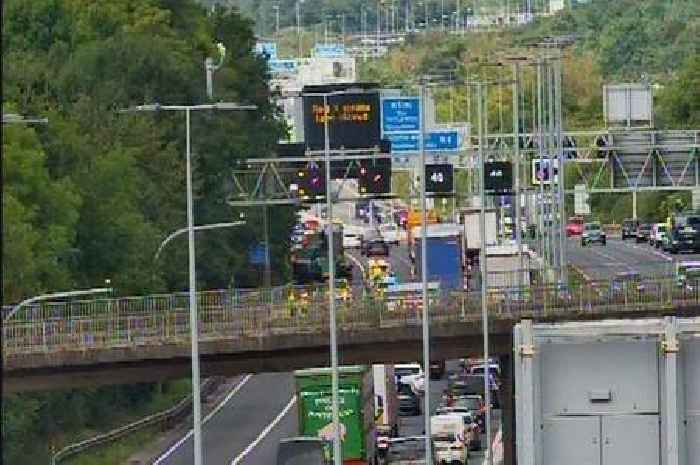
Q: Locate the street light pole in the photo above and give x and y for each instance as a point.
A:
(194, 333)
(335, 382)
(516, 171)
(484, 274)
(424, 279)
(276, 7)
(298, 7)
(55, 295)
(13, 118)
(173, 235)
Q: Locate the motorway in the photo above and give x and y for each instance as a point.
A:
(601, 262)
(248, 428)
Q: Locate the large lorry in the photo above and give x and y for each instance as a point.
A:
(444, 254)
(386, 400)
(472, 227)
(356, 403)
(310, 263)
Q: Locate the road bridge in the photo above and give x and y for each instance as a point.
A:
(129, 340)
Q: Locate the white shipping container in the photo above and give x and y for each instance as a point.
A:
(608, 392)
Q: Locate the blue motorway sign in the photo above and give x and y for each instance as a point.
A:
(267, 48)
(442, 141)
(403, 141)
(256, 255)
(436, 141)
(283, 66)
(400, 114)
(329, 50)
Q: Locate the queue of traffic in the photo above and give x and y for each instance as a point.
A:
(373, 399)
(679, 234)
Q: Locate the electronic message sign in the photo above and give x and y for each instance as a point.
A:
(498, 177)
(353, 120)
(439, 178)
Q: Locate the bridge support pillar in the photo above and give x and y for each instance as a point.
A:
(634, 205)
(508, 410)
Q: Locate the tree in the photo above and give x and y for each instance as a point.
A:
(39, 214)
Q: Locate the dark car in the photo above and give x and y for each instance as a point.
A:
(376, 246)
(304, 451)
(409, 403)
(644, 232)
(467, 385)
(437, 369)
(629, 228)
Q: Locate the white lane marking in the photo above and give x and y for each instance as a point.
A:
(264, 432)
(654, 251)
(356, 262)
(189, 434)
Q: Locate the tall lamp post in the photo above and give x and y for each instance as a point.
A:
(298, 8)
(13, 118)
(188, 109)
(205, 227)
(56, 295)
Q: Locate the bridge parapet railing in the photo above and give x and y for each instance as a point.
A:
(165, 319)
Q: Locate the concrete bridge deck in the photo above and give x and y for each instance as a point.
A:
(147, 339)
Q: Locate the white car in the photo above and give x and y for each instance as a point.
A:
(406, 372)
(352, 238)
(418, 384)
(390, 233)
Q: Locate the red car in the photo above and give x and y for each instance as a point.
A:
(575, 226)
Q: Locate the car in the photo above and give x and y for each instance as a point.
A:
(575, 226)
(688, 274)
(643, 232)
(658, 234)
(352, 239)
(376, 247)
(437, 369)
(418, 384)
(471, 423)
(478, 369)
(592, 232)
(409, 403)
(629, 228)
(390, 233)
(408, 451)
(684, 236)
(304, 451)
(405, 372)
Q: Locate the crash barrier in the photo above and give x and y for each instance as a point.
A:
(157, 321)
(166, 419)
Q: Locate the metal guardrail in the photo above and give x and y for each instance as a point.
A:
(166, 418)
(224, 315)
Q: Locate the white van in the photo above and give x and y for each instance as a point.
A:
(449, 439)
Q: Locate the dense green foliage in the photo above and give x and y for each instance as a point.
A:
(92, 194)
